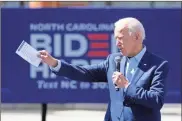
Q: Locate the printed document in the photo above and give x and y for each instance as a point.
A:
(28, 53)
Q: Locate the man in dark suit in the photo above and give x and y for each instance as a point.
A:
(137, 91)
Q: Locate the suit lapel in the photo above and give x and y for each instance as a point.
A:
(142, 67)
(137, 75)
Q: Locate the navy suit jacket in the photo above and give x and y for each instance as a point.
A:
(143, 98)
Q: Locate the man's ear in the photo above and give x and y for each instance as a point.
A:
(138, 36)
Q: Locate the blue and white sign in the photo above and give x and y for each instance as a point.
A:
(79, 36)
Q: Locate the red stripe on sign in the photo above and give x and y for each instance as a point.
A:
(99, 45)
(98, 53)
(98, 36)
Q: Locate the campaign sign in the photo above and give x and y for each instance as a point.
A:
(81, 37)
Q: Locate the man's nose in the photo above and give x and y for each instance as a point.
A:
(118, 43)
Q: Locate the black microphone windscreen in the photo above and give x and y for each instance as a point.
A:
(117, 61)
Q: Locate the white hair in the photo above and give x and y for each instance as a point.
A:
(133, 25)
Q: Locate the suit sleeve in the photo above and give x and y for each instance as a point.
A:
(152, 98)
(91, 73)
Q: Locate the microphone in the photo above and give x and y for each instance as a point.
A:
(117, 61)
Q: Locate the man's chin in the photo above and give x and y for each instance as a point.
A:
(122, 53)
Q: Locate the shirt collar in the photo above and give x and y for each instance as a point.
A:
(139, 56)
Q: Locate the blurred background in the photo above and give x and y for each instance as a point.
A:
(81, 108)
(121, 4)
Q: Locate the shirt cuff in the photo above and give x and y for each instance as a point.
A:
(126, 87)
(57, 68)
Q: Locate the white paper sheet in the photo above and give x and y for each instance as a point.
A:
(28, 53)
